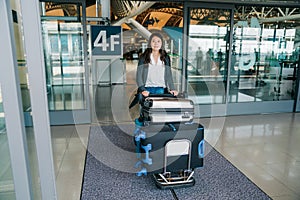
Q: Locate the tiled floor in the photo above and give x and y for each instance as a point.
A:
(69, 149)
(264, 147)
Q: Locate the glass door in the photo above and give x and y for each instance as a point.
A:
(239, 64)
(264, 61)
(7, 190)
(207, 58)
(65, 50)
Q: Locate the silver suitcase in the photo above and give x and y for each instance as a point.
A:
(167, 110)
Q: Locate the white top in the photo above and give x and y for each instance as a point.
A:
(156, 73)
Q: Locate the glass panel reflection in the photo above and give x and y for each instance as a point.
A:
(207, 55)
(264, 57)
(63, 46)
(6, 177)
(66, 97)
(264, 61)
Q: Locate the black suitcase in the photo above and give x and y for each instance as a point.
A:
(167, 110)
(170, 152)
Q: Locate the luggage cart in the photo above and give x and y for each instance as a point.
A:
(169, 148)
(183, 178)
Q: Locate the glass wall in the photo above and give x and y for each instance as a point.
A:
(7, 185)
(64, 34)
(208, 54)
(63, 47)
(6, 178)
(264, 58)
(18, 145)
(242, 55)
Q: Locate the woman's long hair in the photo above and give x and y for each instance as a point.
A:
(148, 51)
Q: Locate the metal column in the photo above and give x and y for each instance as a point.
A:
(37, 81)
(12, 104)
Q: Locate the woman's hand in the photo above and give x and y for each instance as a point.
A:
(145, 93)
(174, 92)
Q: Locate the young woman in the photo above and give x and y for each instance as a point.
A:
(154, 74)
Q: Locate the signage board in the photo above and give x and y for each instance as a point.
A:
(106, 40)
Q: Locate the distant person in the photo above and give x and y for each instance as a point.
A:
(199, 60)
(208, 63)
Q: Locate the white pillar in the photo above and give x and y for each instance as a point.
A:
(38, 95)
(12, 105)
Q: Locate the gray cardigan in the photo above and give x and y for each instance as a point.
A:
(142, 74)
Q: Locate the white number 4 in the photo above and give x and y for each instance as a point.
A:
(104, 44)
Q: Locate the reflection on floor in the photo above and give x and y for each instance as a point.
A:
(69, 150)
(66, 97)
(112, 103)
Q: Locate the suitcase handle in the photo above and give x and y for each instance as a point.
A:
(162, 95)
(201, 149)
(180, 95)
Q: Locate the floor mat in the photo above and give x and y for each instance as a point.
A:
(110, 172)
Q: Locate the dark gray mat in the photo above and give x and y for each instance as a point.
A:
(109, 173)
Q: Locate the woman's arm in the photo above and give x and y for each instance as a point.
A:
(169, 77)
(168, 74)
(139, 75)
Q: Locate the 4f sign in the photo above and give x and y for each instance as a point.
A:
(104, 44)
(106, 40)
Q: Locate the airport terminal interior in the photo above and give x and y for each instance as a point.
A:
(238, 62)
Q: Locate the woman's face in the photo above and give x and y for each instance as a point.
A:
(156, 43)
